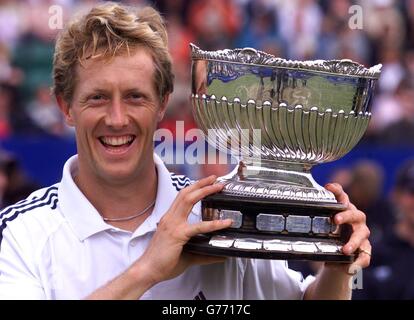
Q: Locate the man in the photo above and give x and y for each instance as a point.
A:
(115, 226)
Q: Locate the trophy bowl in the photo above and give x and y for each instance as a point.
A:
(279, 118)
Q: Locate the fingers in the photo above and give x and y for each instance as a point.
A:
(364, 258)
(201, 183)
(350, 216)
(189, 196)
(339, 193)
(207, 226)
(357, 220)
(353, 217)
(358, 237)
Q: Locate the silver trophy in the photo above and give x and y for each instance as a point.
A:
(307, 113)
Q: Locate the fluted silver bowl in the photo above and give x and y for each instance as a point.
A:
(308, 112)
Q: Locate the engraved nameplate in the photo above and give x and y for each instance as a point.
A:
(236, 216)
(301, 224)
(270, 222)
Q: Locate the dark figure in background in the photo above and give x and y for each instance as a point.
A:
(390, 276)
(401, 132)
(365, 189)
(14, 184)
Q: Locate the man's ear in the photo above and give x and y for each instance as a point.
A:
(163, 107)
(66, 110)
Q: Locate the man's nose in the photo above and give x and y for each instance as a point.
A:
(116, 115)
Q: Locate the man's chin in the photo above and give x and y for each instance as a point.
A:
(120, 179)
(120, 173)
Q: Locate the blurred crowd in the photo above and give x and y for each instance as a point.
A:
(294, 29)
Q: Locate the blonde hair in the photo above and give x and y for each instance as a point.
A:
(108, 30)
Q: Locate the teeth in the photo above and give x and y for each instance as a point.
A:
(117, 141)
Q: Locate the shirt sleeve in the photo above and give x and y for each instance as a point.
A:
(17, 272)
(272, 279)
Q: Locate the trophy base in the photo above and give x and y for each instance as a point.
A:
(272, 229)
(201, 244)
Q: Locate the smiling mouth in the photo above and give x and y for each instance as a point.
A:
(115, 142)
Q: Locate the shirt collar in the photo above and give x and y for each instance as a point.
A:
(166, 194)
(86, 220)
(80, 213)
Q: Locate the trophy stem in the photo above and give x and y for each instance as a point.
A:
(273, 179)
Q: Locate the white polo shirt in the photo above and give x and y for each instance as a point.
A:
(55, 245)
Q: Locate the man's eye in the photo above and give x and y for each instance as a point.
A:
(135, 96)
(97, 97)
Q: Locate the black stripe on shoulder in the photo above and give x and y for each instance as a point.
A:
(180, 181)
(26, 202)
(180, 187)
(48, 199)
(178, 176)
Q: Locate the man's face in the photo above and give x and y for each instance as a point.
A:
(115, 110)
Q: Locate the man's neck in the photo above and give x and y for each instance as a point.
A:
(120, 200)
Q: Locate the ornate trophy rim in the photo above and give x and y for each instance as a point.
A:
(251, 56)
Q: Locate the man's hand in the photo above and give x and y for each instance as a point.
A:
(334, 280)
(164, 258)
(356, 219)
